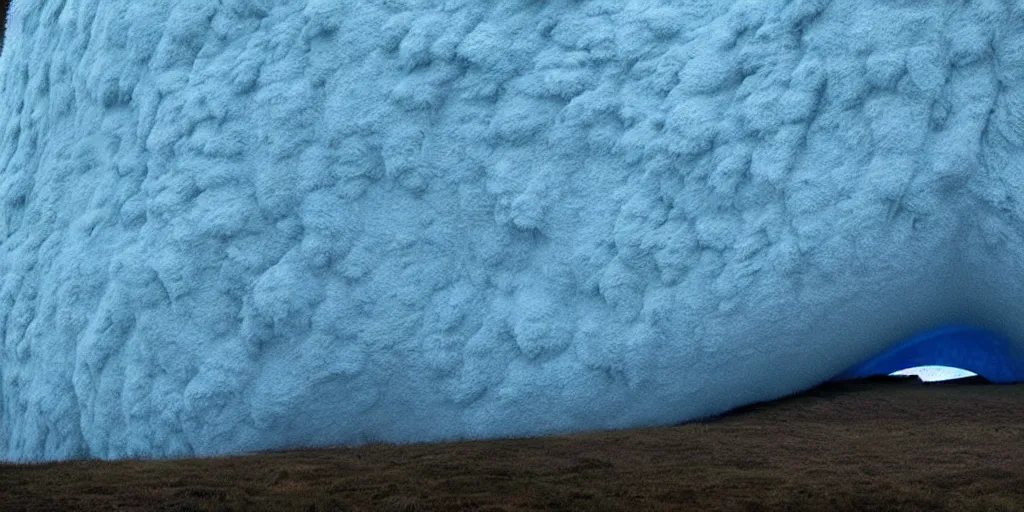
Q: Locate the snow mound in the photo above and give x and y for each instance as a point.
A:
(250, 224)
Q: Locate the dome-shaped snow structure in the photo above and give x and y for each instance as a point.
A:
(257, 224)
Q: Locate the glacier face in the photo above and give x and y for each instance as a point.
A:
(246, 225)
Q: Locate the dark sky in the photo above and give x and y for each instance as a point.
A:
(3, 19)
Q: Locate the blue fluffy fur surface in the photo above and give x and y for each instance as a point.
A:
(247, 225)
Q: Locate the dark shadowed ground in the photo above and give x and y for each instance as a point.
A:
(884, 444)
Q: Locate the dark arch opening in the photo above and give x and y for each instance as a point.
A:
(980, 351)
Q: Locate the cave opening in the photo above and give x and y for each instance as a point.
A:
(935, 373)
(959, 350)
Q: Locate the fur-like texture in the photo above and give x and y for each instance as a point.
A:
(250, 224)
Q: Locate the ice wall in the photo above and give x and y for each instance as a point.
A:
(251, 224)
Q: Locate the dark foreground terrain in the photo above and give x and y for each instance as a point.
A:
(883, 444)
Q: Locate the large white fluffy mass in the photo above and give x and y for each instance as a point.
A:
(255, 224)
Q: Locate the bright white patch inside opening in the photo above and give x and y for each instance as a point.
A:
(936, 373)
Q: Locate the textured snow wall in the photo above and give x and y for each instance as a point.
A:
(253, 224)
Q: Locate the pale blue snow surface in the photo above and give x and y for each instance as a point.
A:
(253, 224)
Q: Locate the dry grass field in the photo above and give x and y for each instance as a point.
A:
(881, 444)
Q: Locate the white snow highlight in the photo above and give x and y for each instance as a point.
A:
(936, 373)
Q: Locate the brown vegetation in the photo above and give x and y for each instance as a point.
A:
(883, 444)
